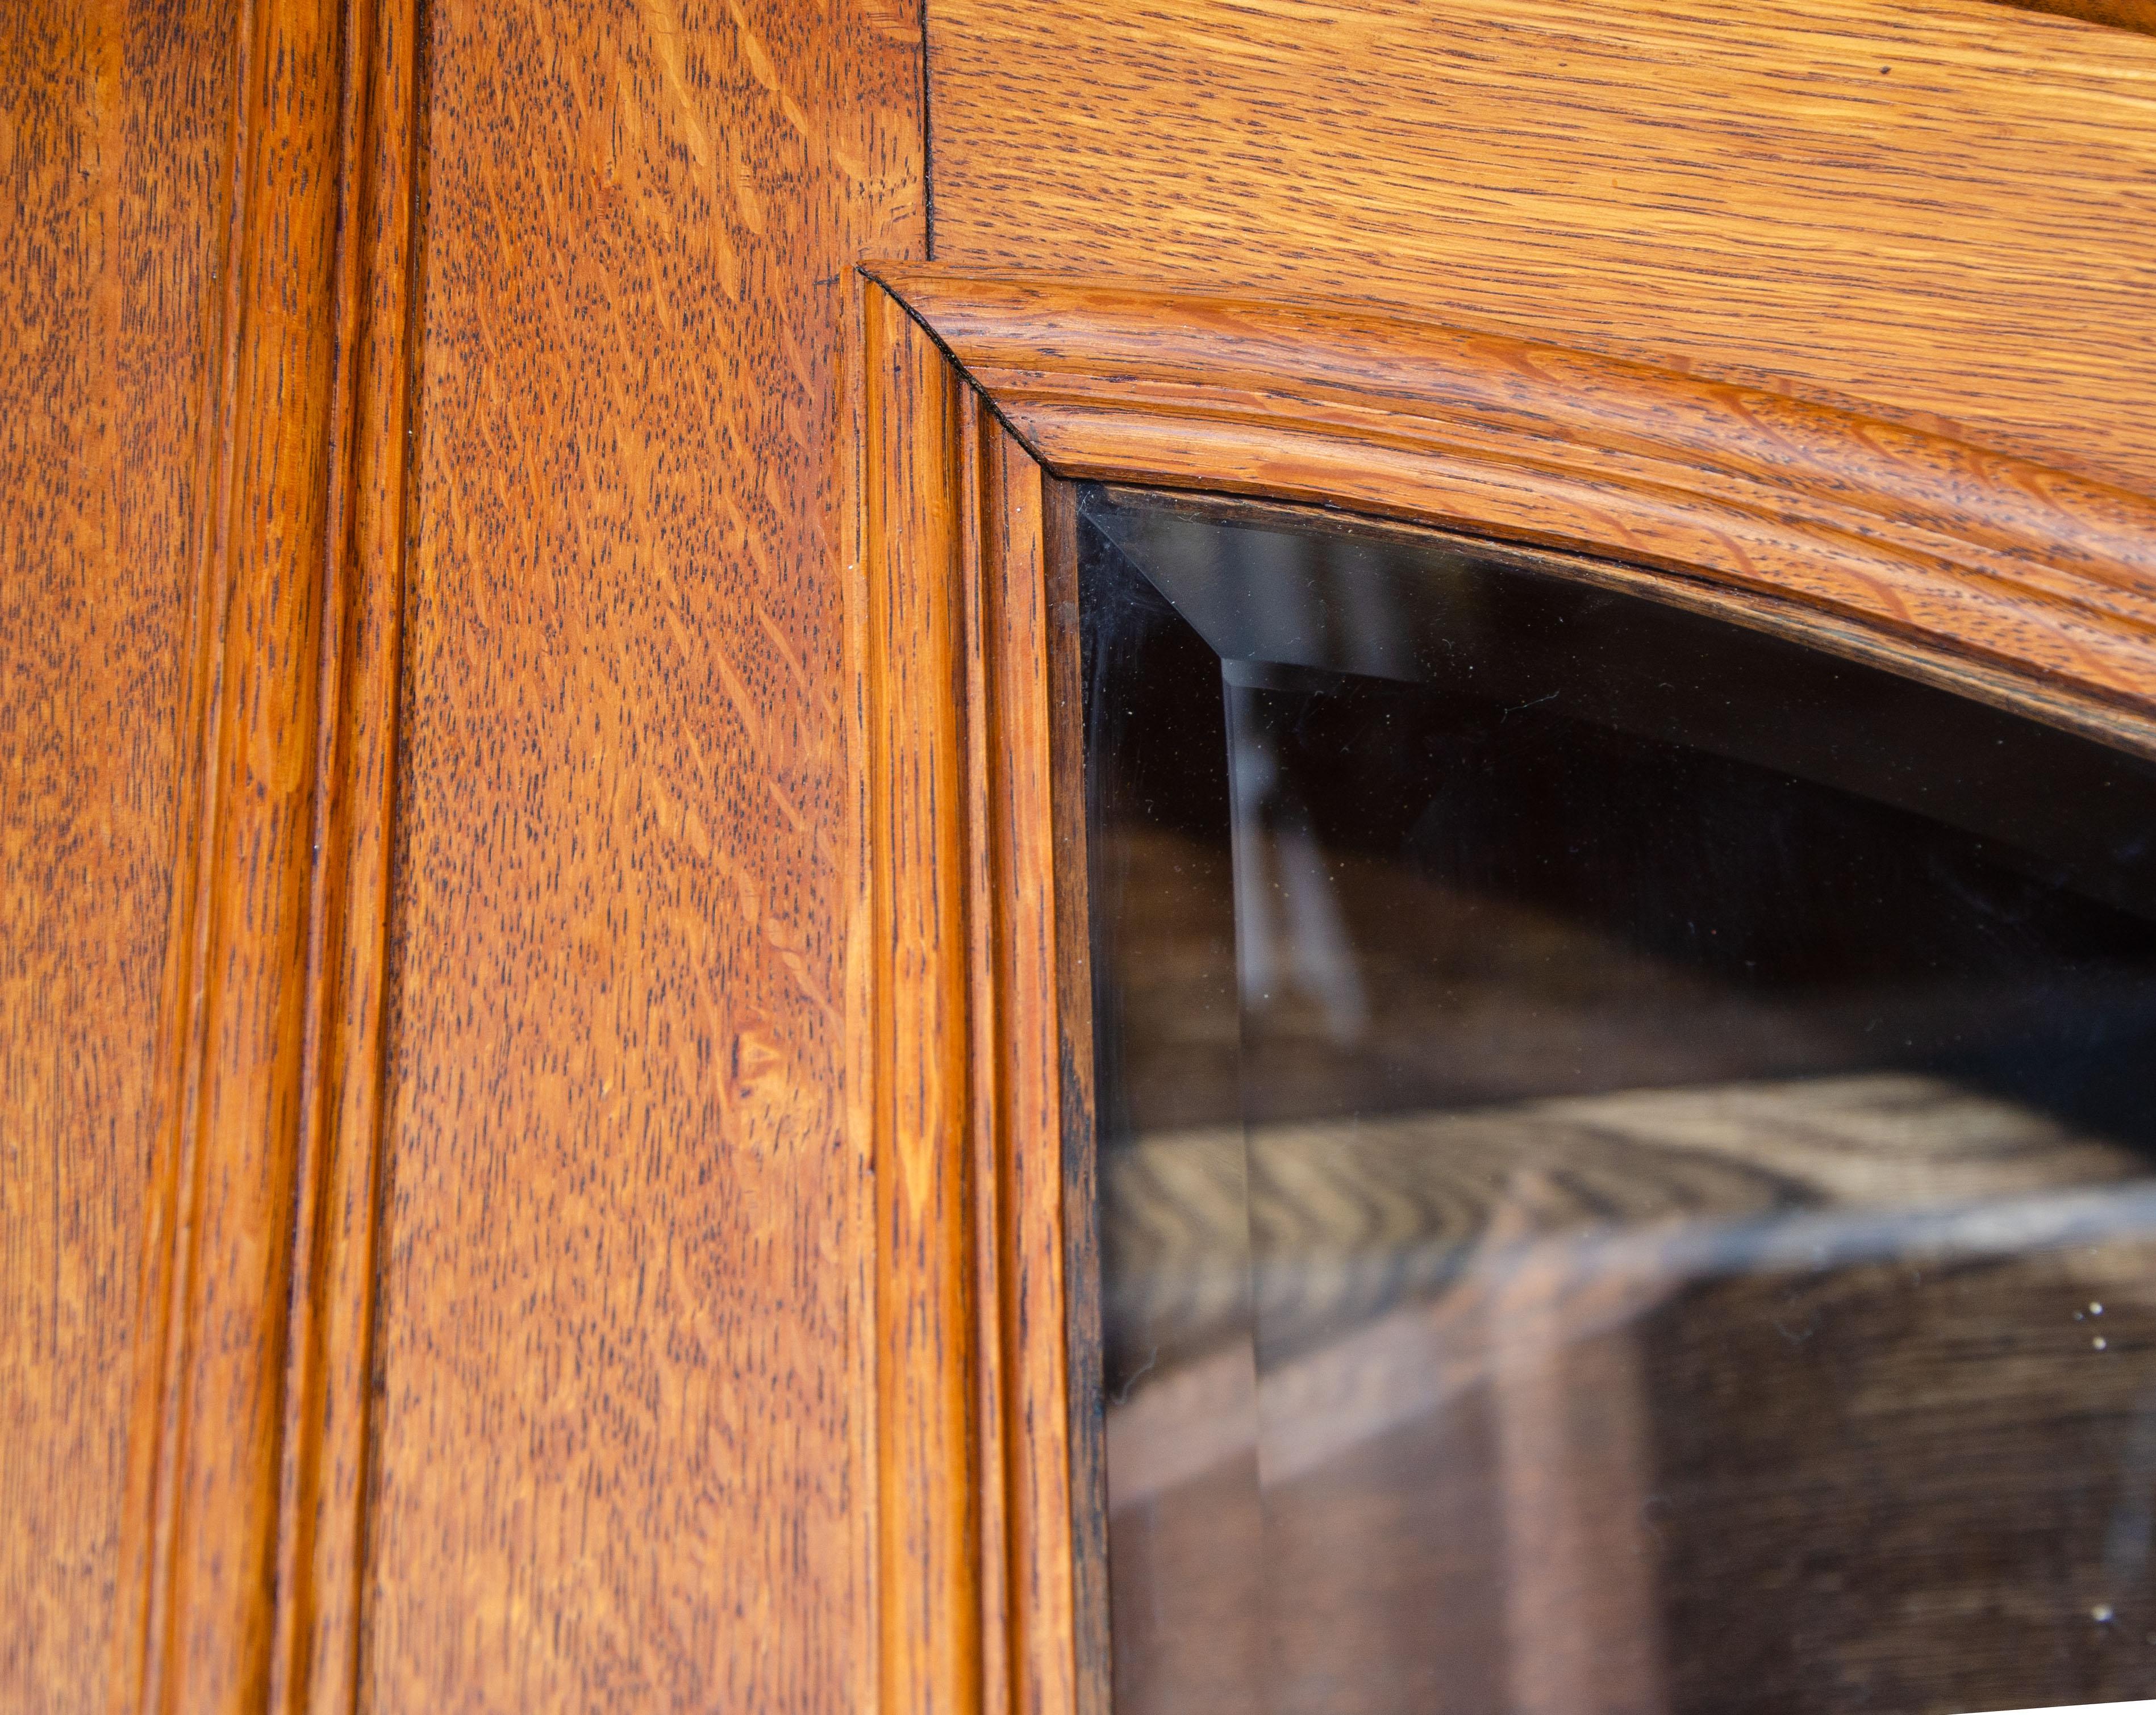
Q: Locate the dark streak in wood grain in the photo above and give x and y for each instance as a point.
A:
(328, 1383)
(1078, 1220)
(2115, 14)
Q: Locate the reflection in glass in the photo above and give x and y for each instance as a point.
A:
(1624, 1152)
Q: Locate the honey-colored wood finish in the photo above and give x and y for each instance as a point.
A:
(1938, 209)
(1166, 310)
(1989, 567)
(622, 1454)
(976, 1006)
(543, 1074)
(210, 352)
(113, 135)
(930, 1360)
(239, 1561)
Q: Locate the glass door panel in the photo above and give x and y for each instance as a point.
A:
(1625, 1150)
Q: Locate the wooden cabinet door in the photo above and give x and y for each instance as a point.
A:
(543, 999)
(436, 1255)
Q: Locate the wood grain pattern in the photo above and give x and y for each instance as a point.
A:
(114, 133)
(620, 1452)
(976, 1008)
(328, 1381)
(624, 1457)
(1032, 1038)
(240, 1559)
(934, 1456)
(2036, 573)
(2117, 14)
(1939, 210)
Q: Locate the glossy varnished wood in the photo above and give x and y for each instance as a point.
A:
(328, 1368)
(1031, 1039)
(239, 1562)
(2114, 14)
(623, 1455)
(975, 1007)
(2031, 573)
(932, 1448)
(731, 1160)
(1939, 209)
(116, 128)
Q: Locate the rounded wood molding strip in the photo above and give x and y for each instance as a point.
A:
(240, 1561)
(973, 1003)
(2035, 573)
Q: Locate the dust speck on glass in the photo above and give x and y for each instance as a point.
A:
(1625, 1151)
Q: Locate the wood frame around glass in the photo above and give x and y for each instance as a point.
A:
(2020, 585)
(1887, 256)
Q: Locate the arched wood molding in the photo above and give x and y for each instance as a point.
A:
(2012, 578)
(968, 1001)
(239, 1580)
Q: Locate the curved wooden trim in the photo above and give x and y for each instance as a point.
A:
(1884, 539)
(2036, 575)
(240, 1569)
(975, 1011)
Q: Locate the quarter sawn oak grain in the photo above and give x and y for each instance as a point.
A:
(114, 150)
(623, 1453)
(675, 1394)
(1941, 209)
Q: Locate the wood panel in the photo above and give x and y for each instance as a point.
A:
(1938, 209)
(641, 1234)
(114, 133)
(625, 1454)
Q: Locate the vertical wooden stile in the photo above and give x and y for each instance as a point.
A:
(975, 964)
(1035, 953)
(329, 1353)
(929, 1615)
(982, 571)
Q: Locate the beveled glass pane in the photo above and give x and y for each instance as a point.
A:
(1625, 1151)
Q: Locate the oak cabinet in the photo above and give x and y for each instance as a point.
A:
(550, 966)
